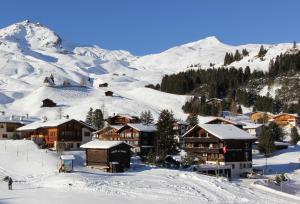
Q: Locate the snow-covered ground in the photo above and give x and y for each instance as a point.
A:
(30, 51)
(38, 181)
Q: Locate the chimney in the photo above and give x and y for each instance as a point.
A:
(11, 117)
(27, 115)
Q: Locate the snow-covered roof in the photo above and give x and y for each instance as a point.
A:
(140, 127)
(16, 119)
(67, 157)
(224, 120)
(247, 125)
(182, 122)
(224, 131)
(100, 144)
(48, 123)
(117, 127)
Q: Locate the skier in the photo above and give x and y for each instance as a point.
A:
(10, 182)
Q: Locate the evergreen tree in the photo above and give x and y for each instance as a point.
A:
(266, 141)
(294, 136)
(89, 117)
(97, 119)
(166, 143)
(262, 52)
(52, 78)
(237, 56)
(276, 131)
(245, 52)
(192, 119)
(146, 117)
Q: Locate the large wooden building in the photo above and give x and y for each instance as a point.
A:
(221, 144)
(109, 133)
(102, 154)
(71, 132)
(261, 117)
(10, 124)
(141, 137)
(287, 119)
(122, 119)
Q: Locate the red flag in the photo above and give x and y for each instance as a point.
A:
(225, 149)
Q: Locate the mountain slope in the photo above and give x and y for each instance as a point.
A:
(29, 52)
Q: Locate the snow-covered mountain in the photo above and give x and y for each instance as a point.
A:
(29, 52)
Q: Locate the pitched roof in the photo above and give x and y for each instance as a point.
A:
(247, 125)
(99, 144)
(224, 120)
(224, 132)
(139, 127)
(290, 114)
(16, 119)
(67, 157)
(117, 127)
(49, 123)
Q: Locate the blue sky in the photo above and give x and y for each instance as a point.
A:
(144, 27)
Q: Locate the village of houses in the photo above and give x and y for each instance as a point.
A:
(224, 145)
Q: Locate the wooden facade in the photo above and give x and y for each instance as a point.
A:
(143, 141)
(103, 157)
(48, 103)
(109, 133)
(210, 149)
(72, 132)
(7, 129)
(261, 117)
(286, 119)
(220, 120)
(122, 119)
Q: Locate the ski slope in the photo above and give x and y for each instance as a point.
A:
(29, 52)
(38, 181)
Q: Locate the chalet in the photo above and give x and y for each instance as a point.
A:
(253, 128)
(261, 117)
(287, 119)
(122, 119)
(221, 144)
(69, 131)
(109, 133)
(48, 103)
(102, 154)
(109, 93)
(103, 85)
(10, 124)
(141, 137)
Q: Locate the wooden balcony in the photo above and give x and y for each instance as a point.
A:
(204, 150)
(200, 139)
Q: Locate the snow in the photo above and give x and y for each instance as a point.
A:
(224, 132)
(40, 124)
(142, 128)
(99, 144)
(67, 157)
(36, 178)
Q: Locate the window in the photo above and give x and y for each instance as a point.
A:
(241, 165)
(4, 135)
(87, 134)
(1, 126)
(232, 166)
(246, 145)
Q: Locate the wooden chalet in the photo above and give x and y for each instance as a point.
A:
(9, 125)
(180, 127)
(122, 119)
(109, 133)
(103, 85)
(71, 132)
(48, 103)
(109, 93)
(107, 155)
(261, 117)
(141, 137)
(287, 119)
(221, 144)
(253, 128)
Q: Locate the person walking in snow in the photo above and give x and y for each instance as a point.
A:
(10, 182)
